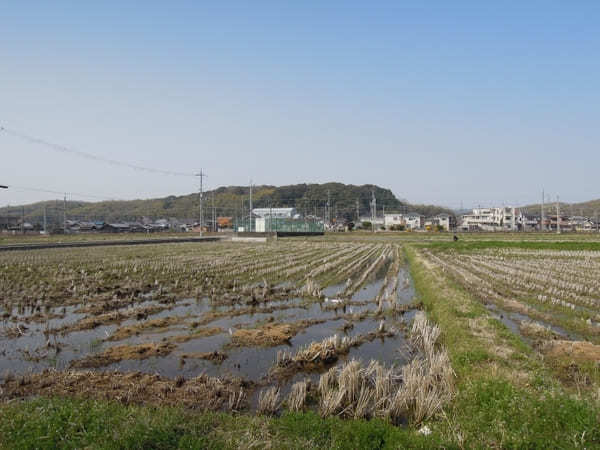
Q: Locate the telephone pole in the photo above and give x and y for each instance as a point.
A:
(65, 214)
(242, 214)
(357, 212)
(542, 224)
(328, 213)
(251, 206)
(557, 215)
(201, 176)
(45, 222)
(373, 210)
(214, 216)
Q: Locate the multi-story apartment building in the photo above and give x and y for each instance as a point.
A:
(491, 219)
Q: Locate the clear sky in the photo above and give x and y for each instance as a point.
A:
(444, 102)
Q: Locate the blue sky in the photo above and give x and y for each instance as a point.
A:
(443, 102)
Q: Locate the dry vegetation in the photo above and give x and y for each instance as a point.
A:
(199, 308)
(253, 328)
(551, 295)
(202, 392)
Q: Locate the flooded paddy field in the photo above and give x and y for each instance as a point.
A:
(548, 297)
(246, 324)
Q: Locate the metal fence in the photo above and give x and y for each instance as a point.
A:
(284, 225)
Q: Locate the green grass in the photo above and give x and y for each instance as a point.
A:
(48, 423)
(496, 412)
(506, 396)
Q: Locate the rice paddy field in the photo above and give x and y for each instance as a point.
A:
(416, 340)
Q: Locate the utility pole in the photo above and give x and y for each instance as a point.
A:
(542, 224)
(214, 216)
(557, 215)
(251, 206)
(22, 220)
(373, 210)
(597, 229)
(65, 214)
(357, 212)
(328, 211)
(45, 222)
(201, 176)
(514, 219)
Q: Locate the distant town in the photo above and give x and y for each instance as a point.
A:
(264, 220)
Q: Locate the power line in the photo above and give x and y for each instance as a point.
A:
(89, 156)
(48, 191)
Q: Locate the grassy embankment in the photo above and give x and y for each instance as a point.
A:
(75, 423)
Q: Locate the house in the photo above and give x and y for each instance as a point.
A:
(393, 219)
(161, 223)
(444, 221)
(562, 224)
(116, 227)
(414, 221)
(580, 223)
(10, 222)
(491, 219)
(529, 223)
(224, 222)
(87, 227)
(137, 227)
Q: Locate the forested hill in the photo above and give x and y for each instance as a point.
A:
(231, 201)
(590, 208)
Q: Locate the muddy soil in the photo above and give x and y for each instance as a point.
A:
(578, 351)
(121, 352)
(202, 392)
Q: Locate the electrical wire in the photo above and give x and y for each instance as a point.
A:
(71, 194)
(89, 156)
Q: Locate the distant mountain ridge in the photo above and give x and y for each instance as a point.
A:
(588, 208)
(308, 199)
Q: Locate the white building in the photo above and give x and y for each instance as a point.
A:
(260, 225)
(414, 221)
(580, 223)
(411, 221)
(276, 213)
(393, 219)
(491, 219)
(443, 220)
